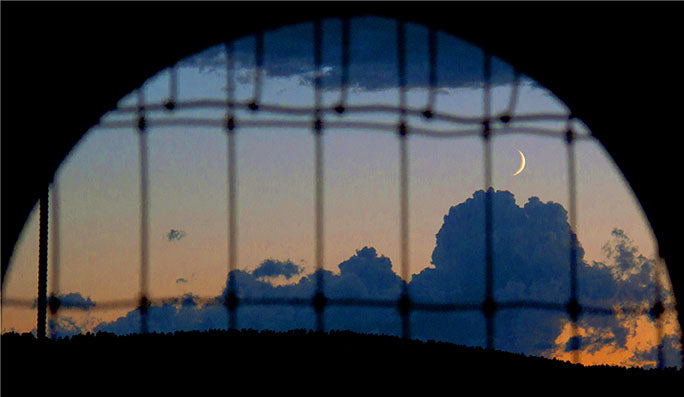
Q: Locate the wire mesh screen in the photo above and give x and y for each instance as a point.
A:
(235, 116)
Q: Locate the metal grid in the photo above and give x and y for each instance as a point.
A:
(487, 127)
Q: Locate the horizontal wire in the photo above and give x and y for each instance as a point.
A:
(346, 302)
(209, 104)
(104, 305)
(337, 124)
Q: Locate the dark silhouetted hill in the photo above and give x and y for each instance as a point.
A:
(311, 362)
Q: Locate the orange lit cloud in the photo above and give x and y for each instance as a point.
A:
(641, 339)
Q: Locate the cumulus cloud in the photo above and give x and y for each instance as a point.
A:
(175, 235)
(185, 300)
(72, 300)
(274, 268)
(364, 275)
(531, 245)
(66, 326)
(288, 52)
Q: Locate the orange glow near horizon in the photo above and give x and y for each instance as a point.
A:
(642, 338)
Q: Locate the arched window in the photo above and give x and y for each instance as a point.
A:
(365, 174)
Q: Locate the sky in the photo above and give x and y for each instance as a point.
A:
(98, 187)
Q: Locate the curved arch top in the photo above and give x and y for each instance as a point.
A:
(619, 82)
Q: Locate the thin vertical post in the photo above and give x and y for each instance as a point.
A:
(573, 306)
(53, 301)
(144, 212)
(173, 88)
(401, 65)
(42, 263)
(232, 229)
(513, 100)
(404, 303)
(488, 305)
(258, 73)
(344, 79)
(404, 300)
(319, 300)
(231, 297)
(432, 54)
(231, 302)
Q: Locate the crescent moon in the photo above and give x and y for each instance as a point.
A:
(522, 163)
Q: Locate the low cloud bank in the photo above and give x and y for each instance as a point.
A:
(274, 268)
(531, 247)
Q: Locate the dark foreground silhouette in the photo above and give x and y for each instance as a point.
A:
(262, 360)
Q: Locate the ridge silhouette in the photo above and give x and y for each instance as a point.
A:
(244, 356)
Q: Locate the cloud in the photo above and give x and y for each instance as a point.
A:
(187, 300)
(274, 268)
(288, 52)
(175, 235)
(364, 275)
(531, 246)
(65, 327)
(72, 300)
(76, 300)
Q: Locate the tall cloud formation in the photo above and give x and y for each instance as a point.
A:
(289, 52)
(531, 262)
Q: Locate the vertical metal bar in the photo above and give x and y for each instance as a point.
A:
(513, 100)
(404, 303)
(345, 65)
(488, 306)
(42, 263)
(258, 73)
(231, 297)
(489, 257)
(432, 50)
(319, 300)
(401, 64)
(144, 212)
(572, 204)
(232, 231)
(573, 305)
(53, 302)
(318, 62)
(54, 276)
(173, 87)
(230, 77)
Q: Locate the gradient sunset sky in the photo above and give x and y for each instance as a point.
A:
(99, 181)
